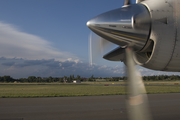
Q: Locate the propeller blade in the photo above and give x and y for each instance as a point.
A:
(116, 55)
(94, 48)
(138, 1)
(105, 46)
(90, 49)
(137, 99)
(97, 47)
(127, 2)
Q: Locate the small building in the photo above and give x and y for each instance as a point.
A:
(76, 81)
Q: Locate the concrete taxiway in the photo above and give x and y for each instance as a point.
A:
(162, 106)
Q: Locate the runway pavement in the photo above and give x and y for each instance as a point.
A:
(163, 107)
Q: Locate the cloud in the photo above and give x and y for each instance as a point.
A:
(18, 68)
(8, 63)
(15, 43)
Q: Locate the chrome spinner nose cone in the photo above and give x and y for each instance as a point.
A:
(123, 26)
(88, 23)
(92, 23)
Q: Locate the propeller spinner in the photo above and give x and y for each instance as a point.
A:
(124, 26)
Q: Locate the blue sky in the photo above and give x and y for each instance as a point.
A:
(50, 38)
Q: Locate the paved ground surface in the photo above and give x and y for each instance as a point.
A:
(163, 107)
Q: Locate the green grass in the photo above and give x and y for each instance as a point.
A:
(162, 89)
(146, 82)
(57, 90)
(73, 90)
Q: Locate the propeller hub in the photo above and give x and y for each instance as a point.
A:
(126, 26)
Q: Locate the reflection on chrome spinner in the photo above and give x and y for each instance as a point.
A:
(124, 26)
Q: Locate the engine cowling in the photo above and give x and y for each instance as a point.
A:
(165, 45)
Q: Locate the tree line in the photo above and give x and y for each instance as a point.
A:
(152, 78)
(34, 79)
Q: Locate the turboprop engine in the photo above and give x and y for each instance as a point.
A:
(150, 27)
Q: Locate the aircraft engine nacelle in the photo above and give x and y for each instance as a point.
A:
(164, 39)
